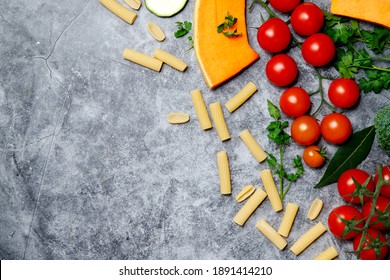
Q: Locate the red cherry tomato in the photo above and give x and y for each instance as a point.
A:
(284, 6)
(374, 247)
(382, 206)
(274, 35)
(281, 70)
(313, 156)
(305, 130)
(348, 189)
(294, 102)
(307, 19)
(318, 49)
(385, 190)
(336, 128)
(343, 93)
(350, 215)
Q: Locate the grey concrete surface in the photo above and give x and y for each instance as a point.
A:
(90, 167)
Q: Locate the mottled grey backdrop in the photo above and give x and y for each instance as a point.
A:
(89, 166)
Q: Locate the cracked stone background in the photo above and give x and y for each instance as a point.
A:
(90, 167)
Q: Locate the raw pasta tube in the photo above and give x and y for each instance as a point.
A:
(201, 110)
(142, 59)
(224, 173)
(135, 4)
(308, 238)
(271, 190)
(315, 209)
(246, 192)
(271, 234)
(119, 10)
(253, 146)
(250, 206)
(219, 121)
(328, 254)
(240, 98)
(171, 60)
(288, 219)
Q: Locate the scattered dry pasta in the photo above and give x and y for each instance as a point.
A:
(252, 145)
(156, 31)
(142, 59)
(271, 190)
(240, 98)
(308, 238)
(120, 11)
(250, 206)
(219, 121)
(178, 118)
(315, 209)
(135, 4)
(246, 192)
(201, 109)
(328, 254)
(224, 173)
(288, 219)
(271, 234)
(170, 59)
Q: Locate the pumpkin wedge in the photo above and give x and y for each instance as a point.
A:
(219, 57)
(375, 11)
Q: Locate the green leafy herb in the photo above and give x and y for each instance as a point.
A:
(348, 156)
(183, 28)
(277, 134)
(350, 60)
(224, 27)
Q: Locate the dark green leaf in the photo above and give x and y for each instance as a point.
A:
(180, 33)
(187, 25)
(348, 156)
(273, 110)
(220, 28)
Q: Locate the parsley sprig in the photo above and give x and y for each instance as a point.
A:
(350, 59)
(282, 139)
(224, 27)
(183, 28)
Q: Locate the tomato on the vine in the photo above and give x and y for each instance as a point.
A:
(336, 128)
(343, 93)
(374, 247)
(351, 192)
(385, 190)
(284, 6)
(281, 70)
(294, 102)
(345, 222)
(307, 19)
(274, 35)
(381, 218)
(305, 130)
(318, 49)
(314, 156)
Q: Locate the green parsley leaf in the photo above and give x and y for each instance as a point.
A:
(183, 28)
(224, 27)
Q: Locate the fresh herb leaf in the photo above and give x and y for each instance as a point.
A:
(224, 27)
(348, 156)
(273, 110)
(183, 28)
(376, 82)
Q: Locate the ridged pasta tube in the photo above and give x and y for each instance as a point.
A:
(219, 121)
(308, 238)
(315, 209)
(170, 59)
(241, 97)
(271, 234)
(250, 206)
(224, 173)
(201, 109)
(328, 254)
(142, 59)
(119, 10)
(271, 190)
(288, 219)
(253, 146)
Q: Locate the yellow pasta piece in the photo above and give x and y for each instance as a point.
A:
(271, 234)
(240, 98)
(135, 4)
(315, 209)
(254, 147)
(142, 59)
(271, 190)
(219, 121)
(245, 193)
(201, 110)
(122, 12)
(328, 254)
(224, 173)
(171, 60)
(308, 238)
(178, 118)
(156, 31)
(288, 219)
(250, 206)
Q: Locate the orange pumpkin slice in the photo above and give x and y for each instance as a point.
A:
(219, 57)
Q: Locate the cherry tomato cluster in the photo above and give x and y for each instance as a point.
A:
(346, 222)
(318, 49)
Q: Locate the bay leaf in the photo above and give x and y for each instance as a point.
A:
(348, 156)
